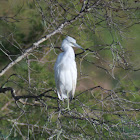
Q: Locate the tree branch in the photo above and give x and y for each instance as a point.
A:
(36, 44)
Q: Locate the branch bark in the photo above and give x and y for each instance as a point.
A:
(36, 44)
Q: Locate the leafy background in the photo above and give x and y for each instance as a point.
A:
(110, 112)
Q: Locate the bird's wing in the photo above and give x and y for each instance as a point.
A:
(65, 77)
(74, 77)
(57, 75)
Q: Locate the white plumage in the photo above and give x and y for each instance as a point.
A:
(65, 70)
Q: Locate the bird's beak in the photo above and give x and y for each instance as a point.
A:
(78, 46)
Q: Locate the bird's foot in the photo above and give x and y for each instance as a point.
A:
(66, 109)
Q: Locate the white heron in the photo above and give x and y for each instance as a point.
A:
(66, 70)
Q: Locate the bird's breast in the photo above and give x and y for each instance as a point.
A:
(67, 64)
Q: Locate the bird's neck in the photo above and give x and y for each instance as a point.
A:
(69, 52)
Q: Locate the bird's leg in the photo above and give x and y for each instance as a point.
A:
(63, 101)
(68, 107)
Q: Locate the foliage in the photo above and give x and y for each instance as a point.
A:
(106, 103)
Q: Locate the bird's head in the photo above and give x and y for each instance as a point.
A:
(71, 42)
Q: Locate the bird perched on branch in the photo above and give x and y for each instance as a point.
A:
(66, 70)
